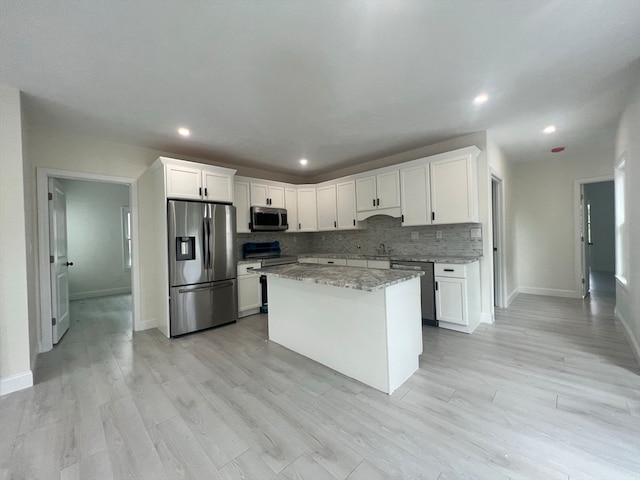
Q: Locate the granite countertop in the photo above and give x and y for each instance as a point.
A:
(368, 279)
(244, 261)
(400, 258)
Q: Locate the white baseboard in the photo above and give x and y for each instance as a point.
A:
(16, 382)
(486, 317)
(551, 292)
(146, 324)
(635, 347)
(107, 292)
(511, 297)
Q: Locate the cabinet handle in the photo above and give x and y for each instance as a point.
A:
(335, 225)
(448, 270)
(433, 216)
(205, 192)
(402, 218)
(354, 222)
(330, 262)
(436, 285)
(299, 226)
(377, 202)
(200, 191)
(374, 202)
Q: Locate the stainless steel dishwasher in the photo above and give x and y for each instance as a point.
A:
(427, 288)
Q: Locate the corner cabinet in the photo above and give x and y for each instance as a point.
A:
(307, 212)
(326, 204)
(458, 296)
(191, 181)
(291, 204)
(347, 215)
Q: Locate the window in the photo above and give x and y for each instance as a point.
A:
(126, 236)
(622, 247)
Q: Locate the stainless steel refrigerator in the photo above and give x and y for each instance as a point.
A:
(202, 265)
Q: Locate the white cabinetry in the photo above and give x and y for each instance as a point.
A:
(458, 296)
(383, 264)
(249, 292)
(308, 260)
(356, 262)
(190, 181)
(454, 190)
(326, 198)
(241, 201)
(265, 195)
(378, 194)
(333, 261)
(291, 204)
(415, 198)
(307, 220)
(346, 205)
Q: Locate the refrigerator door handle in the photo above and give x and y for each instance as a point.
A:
(206, 287)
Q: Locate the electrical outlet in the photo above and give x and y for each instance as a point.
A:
(438, 233)
(476, 233)
(415, 235)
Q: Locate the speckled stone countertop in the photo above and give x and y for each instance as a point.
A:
(368, 279)
(244, 261)
(399, 258)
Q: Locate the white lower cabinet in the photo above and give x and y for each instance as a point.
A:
(458, 296)
(249, 292)
(333, 261)
(356, 262)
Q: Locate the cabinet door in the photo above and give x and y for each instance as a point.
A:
(218, 187)
(259, 194)
(241, 202)
(450, 300)
(356, 262)
(291, 204)
(346, 205)
(249, 293)
(415, 199)
(276, 197)
(451, 191)
(326, 198)
(388, 188)
(184, 182)
(366, 194)
(307, 221)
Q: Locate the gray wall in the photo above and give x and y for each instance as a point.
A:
(456, 239)
(94, 231)
(603, 251)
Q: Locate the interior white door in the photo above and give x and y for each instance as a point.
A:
(584, 242)
(59, 259)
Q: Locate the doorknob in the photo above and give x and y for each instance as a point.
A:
(69, 264)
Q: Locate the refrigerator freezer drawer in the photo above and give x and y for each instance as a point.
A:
(206, 305)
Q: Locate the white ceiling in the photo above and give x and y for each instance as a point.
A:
(264, 83)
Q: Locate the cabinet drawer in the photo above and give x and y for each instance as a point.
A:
(244, 269)
(333, 261)
(454, 270)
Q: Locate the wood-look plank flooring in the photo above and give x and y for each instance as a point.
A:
(550, 391)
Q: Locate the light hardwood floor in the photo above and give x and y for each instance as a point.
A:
(550, 391)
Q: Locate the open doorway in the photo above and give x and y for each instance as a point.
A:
(96, 216)
(497, 236)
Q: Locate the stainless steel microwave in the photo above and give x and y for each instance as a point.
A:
(268, 219)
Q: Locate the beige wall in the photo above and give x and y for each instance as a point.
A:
(628, 144)
(15, 353)
(543, 217)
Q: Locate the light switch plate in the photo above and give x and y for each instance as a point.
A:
(438, 233)
(476, 233)
(415, 235)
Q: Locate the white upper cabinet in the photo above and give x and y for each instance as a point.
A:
(346, 205)
(454, 190)
(193, 181)
(265, 195)
(307, 219)
(291, 204)
(241, 202)
(326, 202)
(415, 198)
(378, 194)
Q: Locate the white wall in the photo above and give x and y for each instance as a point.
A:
(602, 255)
(94, 232)
(15, 352)
(628, 144)
(543, 217)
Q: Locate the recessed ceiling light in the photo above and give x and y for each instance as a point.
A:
(480, 99)
(303, 161)
(549, 129)
(184, 131)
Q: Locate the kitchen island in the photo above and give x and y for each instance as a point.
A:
(364, 323)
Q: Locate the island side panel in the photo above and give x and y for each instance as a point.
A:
(404, 331)
(342, 328)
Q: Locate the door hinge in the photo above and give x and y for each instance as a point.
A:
(51, 259)
(54, 321)
(50, 196)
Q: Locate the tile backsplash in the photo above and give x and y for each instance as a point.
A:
(380, 229)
